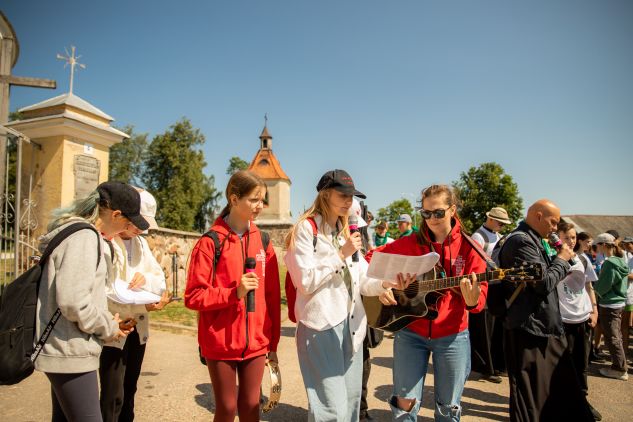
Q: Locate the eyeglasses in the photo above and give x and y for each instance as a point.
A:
(438, 213)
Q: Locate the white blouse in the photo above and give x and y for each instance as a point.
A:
(323, 300)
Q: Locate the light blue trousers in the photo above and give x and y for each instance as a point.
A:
(332, 373)
(451, 366)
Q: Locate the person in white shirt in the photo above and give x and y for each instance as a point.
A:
(578, 309)
(486, 331)
(488, 234)
(331, 320)
(121, 360)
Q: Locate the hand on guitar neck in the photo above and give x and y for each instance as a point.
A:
(386, 297)
(470, 290)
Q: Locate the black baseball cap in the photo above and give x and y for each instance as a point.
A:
(339, 180)
(123, 197)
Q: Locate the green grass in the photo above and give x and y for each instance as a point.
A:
(177, 313)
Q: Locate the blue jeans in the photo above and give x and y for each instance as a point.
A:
(451, 366)
(332, 373)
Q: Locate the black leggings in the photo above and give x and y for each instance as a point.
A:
(75, 397)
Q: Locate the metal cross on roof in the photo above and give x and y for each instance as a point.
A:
(265, 119)
(71, 60)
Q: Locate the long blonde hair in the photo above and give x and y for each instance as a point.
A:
(322, 208)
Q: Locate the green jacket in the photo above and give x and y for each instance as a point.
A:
(613, 281)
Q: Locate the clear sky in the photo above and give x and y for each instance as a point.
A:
(402, 94)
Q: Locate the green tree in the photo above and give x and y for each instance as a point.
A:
(391, 212)
(236, 164)
(484, 187)
(127, 158)
(210, 206)
(173, 172)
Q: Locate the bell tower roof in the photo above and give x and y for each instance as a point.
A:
(265, 164)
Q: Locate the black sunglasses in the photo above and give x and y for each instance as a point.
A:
(438, 213)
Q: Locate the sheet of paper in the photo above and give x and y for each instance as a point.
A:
(386, 266)
(124, 295)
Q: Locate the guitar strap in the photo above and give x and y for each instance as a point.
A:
(492, 266)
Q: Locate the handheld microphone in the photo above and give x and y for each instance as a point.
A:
(558, 244)
(250, 296)
(353, 228)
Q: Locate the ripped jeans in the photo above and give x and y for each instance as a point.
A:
(451, 366)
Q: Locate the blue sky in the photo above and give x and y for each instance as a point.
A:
(401, 94)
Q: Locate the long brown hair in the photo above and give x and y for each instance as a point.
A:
(321, 207)
(451, 199)
(240, 184)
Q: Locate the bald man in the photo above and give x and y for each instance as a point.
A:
(543, 385)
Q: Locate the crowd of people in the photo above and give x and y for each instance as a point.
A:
(541, 335)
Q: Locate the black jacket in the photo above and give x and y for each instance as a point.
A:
(535, 309)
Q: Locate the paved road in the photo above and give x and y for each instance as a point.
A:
(174, 386)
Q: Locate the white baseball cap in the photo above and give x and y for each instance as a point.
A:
(356, 210)
(148, 208)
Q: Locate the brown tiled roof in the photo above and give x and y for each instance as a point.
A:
(266, 165)
(596, 224)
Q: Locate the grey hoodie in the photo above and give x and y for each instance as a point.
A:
(70, 282)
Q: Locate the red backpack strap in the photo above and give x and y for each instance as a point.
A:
(291, 290)
(313, 224)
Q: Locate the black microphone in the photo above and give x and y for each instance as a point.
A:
(250, 296)
(353, 228)
(557, 244)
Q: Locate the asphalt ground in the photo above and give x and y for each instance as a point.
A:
(174, 386)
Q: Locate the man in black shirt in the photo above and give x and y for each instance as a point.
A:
(543, 386)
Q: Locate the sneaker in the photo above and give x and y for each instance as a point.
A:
(612, 373)
(596, 415)
(502, 373)
(493, 378)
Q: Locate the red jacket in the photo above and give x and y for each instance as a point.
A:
(225, 330)
(457, 257)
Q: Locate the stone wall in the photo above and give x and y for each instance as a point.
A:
(164, 243)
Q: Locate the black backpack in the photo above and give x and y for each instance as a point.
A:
(500, 295)
(18, 315)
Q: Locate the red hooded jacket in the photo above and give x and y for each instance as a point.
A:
(225, 330)
(457, 257)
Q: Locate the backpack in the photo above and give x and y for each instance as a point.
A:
(217, 246)
(18, 315)
(291, 289)
(499, 297)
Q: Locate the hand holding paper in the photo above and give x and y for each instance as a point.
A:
(385, 266)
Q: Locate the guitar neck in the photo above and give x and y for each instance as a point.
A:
(449, 282)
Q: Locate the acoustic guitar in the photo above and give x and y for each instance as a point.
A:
(420, 298)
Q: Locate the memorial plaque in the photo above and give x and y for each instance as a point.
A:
(86, 171)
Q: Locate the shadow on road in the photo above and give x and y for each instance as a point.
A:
(288, 331)
(286, 412)
(205, 398)
(385, 362)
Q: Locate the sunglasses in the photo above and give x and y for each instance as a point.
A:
(438, 213)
